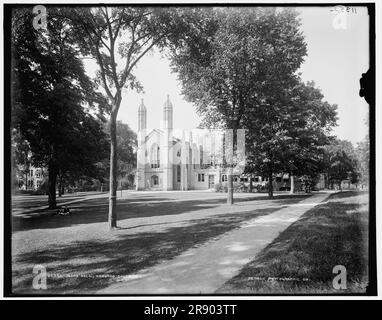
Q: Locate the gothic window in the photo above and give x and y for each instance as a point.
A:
(155, 156)
(154, 180)
(178, 154)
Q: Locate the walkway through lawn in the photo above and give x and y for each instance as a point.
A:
(82, 256)
(204, 269)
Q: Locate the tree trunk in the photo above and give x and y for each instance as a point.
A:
(270, 184)
(112, 219)
(228, 143)
(250, 183)
(230, 187)
(52, 177)
(60, 187)
(291, 184)
(26, 176)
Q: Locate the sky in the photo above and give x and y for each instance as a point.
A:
(337, 56)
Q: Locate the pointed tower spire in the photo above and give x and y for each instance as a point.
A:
(167, 113)
(142, 116)
(141, 152)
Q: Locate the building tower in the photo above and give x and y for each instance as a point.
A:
(166, 146)
(141, 152)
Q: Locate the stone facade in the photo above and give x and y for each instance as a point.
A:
(165, 162)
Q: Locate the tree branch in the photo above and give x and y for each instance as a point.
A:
(143, 53)
(112, 54)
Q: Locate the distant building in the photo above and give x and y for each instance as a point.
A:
(30, 178)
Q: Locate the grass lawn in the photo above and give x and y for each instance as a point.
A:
(301, 259)
(82, 256)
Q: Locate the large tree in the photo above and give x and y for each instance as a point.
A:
(341, 162)
(310, 120)
(363, 159)
(238, 68)
(50, 92)
(118, 38)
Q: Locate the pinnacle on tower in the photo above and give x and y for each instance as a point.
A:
(142, 106)
(142, 116)
(168, 104)
(167, 113)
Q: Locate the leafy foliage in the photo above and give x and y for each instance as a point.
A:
(51, 93)
(363, 157)
(126, 151)
(341, 162)
(293, 139)
(240, 72)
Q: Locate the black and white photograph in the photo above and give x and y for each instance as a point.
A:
(189, 150)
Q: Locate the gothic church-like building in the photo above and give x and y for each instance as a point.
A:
(166, 162)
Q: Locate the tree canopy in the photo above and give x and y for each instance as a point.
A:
(51, 99)
(341, 162)
(240, 71)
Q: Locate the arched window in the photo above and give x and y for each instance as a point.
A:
(154, 180)
(155, 156)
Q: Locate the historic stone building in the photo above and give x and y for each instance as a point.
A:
(166, 162)
(30, 178)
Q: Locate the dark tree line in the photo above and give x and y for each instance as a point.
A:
(57, 112)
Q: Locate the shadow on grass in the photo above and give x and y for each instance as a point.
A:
(122, 254)
(28, 202)
(301, 259)
(275, 197)
(347, 194)
(95, 210)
